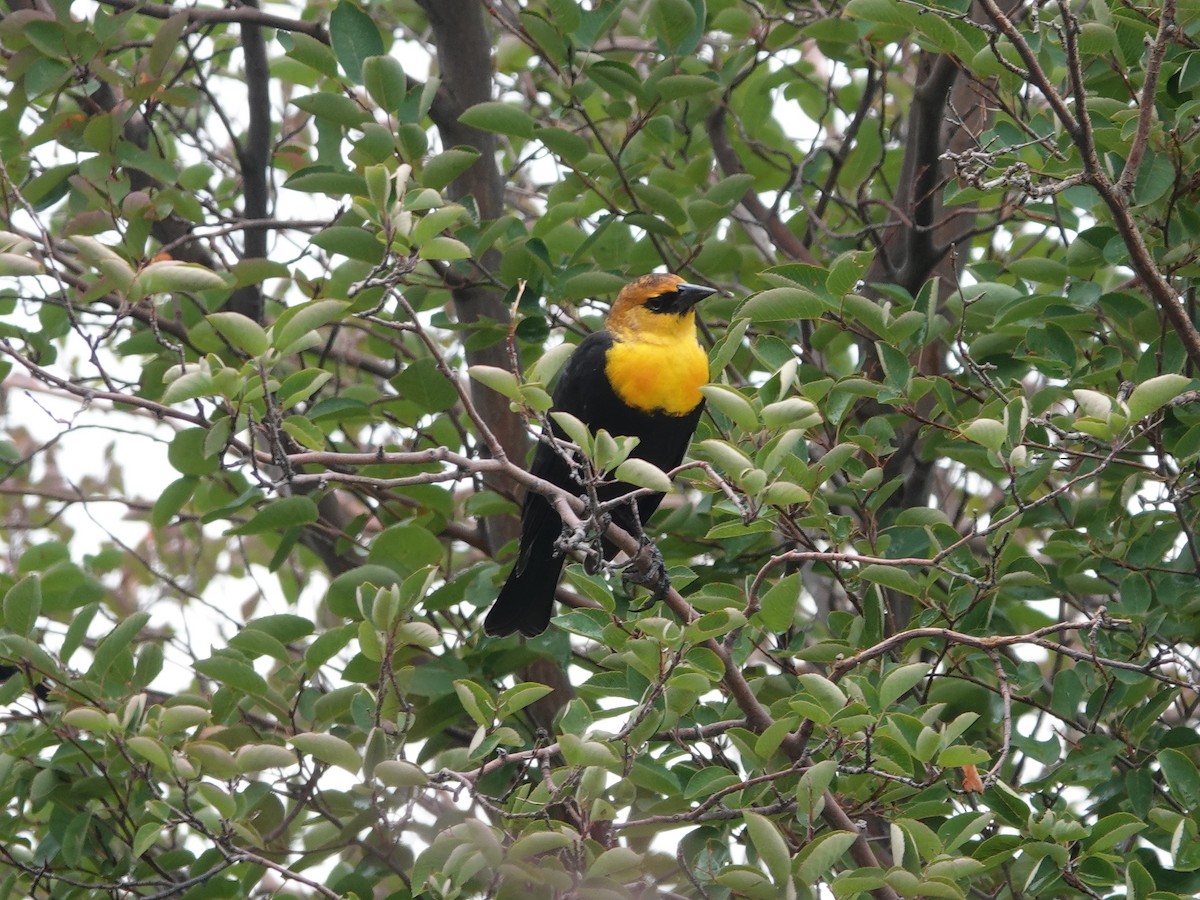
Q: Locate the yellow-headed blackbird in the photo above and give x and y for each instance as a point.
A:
(640, 376)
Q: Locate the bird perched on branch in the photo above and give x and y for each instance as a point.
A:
(640, 376)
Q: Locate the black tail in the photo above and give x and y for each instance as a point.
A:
(526, 601)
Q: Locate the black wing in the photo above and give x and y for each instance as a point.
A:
(585, 391)
(578, 382)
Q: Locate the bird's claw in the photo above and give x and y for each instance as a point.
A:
(649, 570)
(569, 539)
(594, 560)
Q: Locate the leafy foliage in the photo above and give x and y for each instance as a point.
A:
(286, 293)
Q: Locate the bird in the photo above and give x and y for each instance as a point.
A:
(639, 376)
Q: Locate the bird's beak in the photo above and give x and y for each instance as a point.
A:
(691, 294)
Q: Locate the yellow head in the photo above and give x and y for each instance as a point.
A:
(655, 363)
(656, 308)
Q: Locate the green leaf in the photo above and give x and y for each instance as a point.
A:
(280, 515)
(170, 275)
(785, 493)
(499, 380)
(1007, 804)
(14, 266)
(16, 648)
(640, 473)
(847, 270)
(77, 631)
(217, 798)
(1113, 829)
(94, 720)
(350, 242)
(892, 577)
(729, 402)
(708, 781)
(305, 433)
(150, 750)
(616, 862)
(890, 12)
(256, 757)
(182, 717)
(49, 186)
(537, 843)
(406, 548)
(189, 386)
(1155, 393)
(232, 672)
(772, 736)
(779, 604)
(816, 861)
(771, 847)
(443, 247)
(241, 331)
(442, 169)
(115, 268)
(580, 752)
(679, 87)
(299, 386)
(814, 783)
(730, 459)
(328, 645)
(566, 145)
(171, 500)
(674, 21)
(436, 221)
(730, 189)
(398, 773)
(991, 433)
(336, 109)
(476, 701)
(329, 748)
(521, 695)
(1182, 777)
(713, 624)
(310, 52)
(499, 117)
(326, 180)
(899, 681)
(782, 304)
(423, 383)
(147, 836)
(792, 412)
(354, 38)
(1096, 38)
(116, 642)
(385, 81)
(962, 755)
(297, 324)
(829, 696)
(22, 605)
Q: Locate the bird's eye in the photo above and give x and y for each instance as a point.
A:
(656, 304)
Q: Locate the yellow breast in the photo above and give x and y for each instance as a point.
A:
(660, 373)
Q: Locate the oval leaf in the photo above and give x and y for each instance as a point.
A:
(241, 331)
(500, 117)
(641, 473)
(329, 748)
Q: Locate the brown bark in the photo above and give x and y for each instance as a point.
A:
(464, 48)
(464, 57)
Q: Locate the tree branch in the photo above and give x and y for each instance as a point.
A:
(235, 15)
(727, 157)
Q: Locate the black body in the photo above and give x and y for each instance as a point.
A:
(526, 601)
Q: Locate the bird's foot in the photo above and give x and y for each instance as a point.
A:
(569, 539)
(649, 570)
(594, 546)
